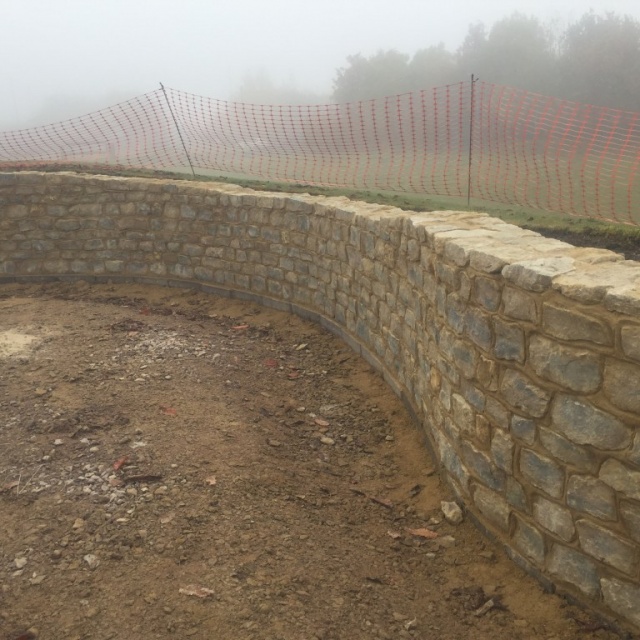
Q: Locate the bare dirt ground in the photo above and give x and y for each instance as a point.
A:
(174, 465)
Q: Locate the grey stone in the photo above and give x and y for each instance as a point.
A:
(523, 395)
(554, 518)
(578, 456)
(621, 385)
(631, 516)
(630, 339)
(481, 467)
(493, 506)
(623, 598)
(509, 343)
(523, 429)
(519, 305)
(450, 460)
(463, 414)
(455, 310)
(575, 568)
(487, 293)
(16, 211)
(67, 225)
(621, 478)
(529, 542)
(502, 451)
(478, 328)
(634, 454)
(584, 424)
(516, 496)
(572, 325)
(497, 413)
(571, 368)
(607, 547)
(114, 266)
(591, 496)
(474, 396)
(542, 472)
(465, 358)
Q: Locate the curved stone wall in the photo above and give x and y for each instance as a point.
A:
(519, 355)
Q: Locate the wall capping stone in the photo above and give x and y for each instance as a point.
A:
(518, 355)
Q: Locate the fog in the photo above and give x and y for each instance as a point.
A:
(62, 58)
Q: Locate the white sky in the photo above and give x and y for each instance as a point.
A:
(70, 56)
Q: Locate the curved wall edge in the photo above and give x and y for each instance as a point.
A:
(518, 355)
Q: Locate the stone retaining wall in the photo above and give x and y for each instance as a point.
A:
(519, 355)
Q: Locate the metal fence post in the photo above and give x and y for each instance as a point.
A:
(184, 146)
(472, 110)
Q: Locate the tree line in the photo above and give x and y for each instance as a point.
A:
(594, 60)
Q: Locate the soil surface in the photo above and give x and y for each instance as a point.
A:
(626, 244)
(174, 465)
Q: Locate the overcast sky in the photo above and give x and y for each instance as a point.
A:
(70, 56)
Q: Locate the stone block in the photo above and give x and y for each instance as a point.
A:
(630, 341)
(478, 327)
(529, 542)
(623, 598)
(465, 358)
(487, 373)
(450, 460)
(631, 516)
(455, 312)
(574, 568)
(584, 424)
(578, 456)
(541, 472)
(590, 495)
(14, 211)
(538, 274)
(497, 413)
(554, 517)
(509, 343)
(523, 429)
(607, 547)
(481, 467)
(519, 305)
(523, 395)
(67, 225)
(621, 478)
(516, 496)
(482, 433)
(114, 266)
(567, 324)
(492, 506)
(473, 396)
(575, 369)
(621, 385)
(502, 451)
(486, 292)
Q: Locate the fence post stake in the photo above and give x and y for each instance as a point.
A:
(472, 105)
(184, 146)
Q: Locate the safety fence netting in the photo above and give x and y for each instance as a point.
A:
(491, 142)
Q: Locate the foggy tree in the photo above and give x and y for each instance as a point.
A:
(433, 67)
(385, 73)
(600, 61)
(518, 50)
(595, 60)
